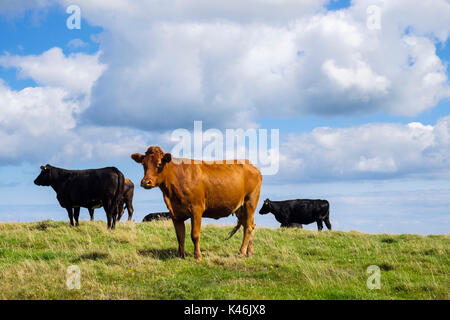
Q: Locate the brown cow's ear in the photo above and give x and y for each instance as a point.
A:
(137, 157)
(167, 157)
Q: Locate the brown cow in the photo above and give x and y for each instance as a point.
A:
(205, 189)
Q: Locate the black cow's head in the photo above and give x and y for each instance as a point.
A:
(45, 177)
(266, 208)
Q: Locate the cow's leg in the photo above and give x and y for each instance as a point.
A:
(76, 214)
(327, 223)
(111, 213)
(108, 209)
(108, 220)
(114, 218)
(180, 229)
(249, 223)
(130, 209)
(91, 213)
(249, 233)
(319, 225)
(249, 229)
(196, 224)
(70, 212)
(121, 210)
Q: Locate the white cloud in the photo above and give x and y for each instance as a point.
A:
(41, 123)
(361, 77)
(229, 63)
(374, 150)
(37, 122)
(75, 73)
(232, 62)
(36, 110)
(32, 120)
(76, 44)
(424, 18)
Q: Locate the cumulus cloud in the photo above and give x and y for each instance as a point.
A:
(42, 123)
(370, 151)
(230, 64)
(76, 73)
(39, 123)
(36, 122)
(32, 119)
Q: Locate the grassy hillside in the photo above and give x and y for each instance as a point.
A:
(137, 261)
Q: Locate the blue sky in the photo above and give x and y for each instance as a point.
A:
(362, 113)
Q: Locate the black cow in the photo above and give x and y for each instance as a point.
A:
(299, 211)
(157, 216)
(85, 188)
(126, 201)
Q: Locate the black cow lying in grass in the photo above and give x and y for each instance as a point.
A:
(157, 216)
(126, 201)
(301, 211)
(85, 188)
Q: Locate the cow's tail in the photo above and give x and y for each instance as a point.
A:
(119, 192)
(235, 229)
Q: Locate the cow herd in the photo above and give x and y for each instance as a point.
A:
(191, 189)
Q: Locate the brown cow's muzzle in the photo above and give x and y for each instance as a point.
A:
(147, 184)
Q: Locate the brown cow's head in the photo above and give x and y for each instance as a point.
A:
(154, 162)
(45, 177)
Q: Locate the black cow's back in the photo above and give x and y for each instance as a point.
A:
(301, 211)
(86, 187)
(157, 216)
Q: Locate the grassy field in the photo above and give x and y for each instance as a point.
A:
(137, 261)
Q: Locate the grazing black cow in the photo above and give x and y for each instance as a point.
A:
(126, 201)
(85, 188)
(300, 211)
(157, 216)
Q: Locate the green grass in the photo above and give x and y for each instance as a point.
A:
(138, 261)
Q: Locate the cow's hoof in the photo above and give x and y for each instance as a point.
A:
(198, 256)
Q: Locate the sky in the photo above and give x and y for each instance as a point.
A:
(358, 90)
